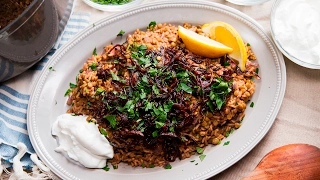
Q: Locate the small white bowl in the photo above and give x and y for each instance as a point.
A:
(111, 7)
(278, 39)
(247, 2)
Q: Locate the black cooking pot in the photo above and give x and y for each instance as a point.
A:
(30, 36)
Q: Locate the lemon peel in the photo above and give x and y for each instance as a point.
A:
(202, 45)
(227, 35)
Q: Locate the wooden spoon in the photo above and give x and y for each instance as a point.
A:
(290, 162)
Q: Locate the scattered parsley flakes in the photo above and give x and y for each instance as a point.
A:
(151, 25)
(202, 156)
(196, 164)
(199, 150)
(94, 51)
(51, 68)
(192, 161)
(248, 44)
(99, 91)
(115, 166)
(112, 120)
(251, 104)
(151, 166)
(257, 71)
(56, 102)
(72, 85)
(155, 134)
(106, 168)
(67, 92)
(226, 63)
(93, 66)
(155, 89)
(226, 143)
(168, 166)
(121, 33)
(185, 88)
(103, 132)
(81, 70)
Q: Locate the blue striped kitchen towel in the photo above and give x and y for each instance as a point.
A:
(14, 96)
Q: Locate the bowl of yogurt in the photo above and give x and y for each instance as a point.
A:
(295, 28)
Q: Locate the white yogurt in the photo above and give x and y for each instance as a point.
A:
(297, 28)
(82, 141)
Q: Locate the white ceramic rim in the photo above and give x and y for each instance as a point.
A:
(278, 44)
(112, 8)
(247, 2)
(206, 173)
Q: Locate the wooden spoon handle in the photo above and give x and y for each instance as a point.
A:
(290, 162)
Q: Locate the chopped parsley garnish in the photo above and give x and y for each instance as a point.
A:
(112, 120)
(192, 160)
(103, 132)
(151, 166)
(72, 85)
(226, 143)
(226, 63)
(202, 156)
(185, 88)
(168, 166)
(81, 70)
(99, 91)
(218, 94)
(94, 52)
(151, 25)
(251, 104)
(115, 166)
(121, 33)
(51, 69)
(56, 102)
(257, 71)
(248, 44)
(114, 76)
(199, 150)
(67, 92)
(155, 134)
(114, 2)
(93, 66)
(106, 168)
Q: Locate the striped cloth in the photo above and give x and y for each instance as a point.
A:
(14, 96)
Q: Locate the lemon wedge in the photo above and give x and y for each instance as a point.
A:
(202, 45)
(227, 35)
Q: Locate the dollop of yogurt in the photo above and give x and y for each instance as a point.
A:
(297, 28)
(82, 141)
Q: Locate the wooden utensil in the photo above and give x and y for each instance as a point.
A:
(290, 162)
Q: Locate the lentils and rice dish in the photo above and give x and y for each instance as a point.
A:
(156, 101)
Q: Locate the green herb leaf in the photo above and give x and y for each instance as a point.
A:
(182, 74)
(159, 124)
(67, 92)
(257, 70)
(192, 160)
(112, 120)
(151, 25)
(72, 85)
(202, 156)
(226, 143)
(93, 66)
(103, 132)
(151, 166)
(171, 129)
(252, 104)
(115, 166)
(114, 76)
(154, 133)
(152, 71)
(185, 88)
(199, 150)
(99, 91)
(155, 89)
(106, 168)
(168, 166)
(94, 52)
(167, 107)
(121, 33)
(248, 44)
(51, 69)
(81, 70)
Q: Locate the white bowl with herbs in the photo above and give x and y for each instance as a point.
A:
(112, 5)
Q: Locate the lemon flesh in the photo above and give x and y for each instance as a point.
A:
(227, 35)
(201, 45)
